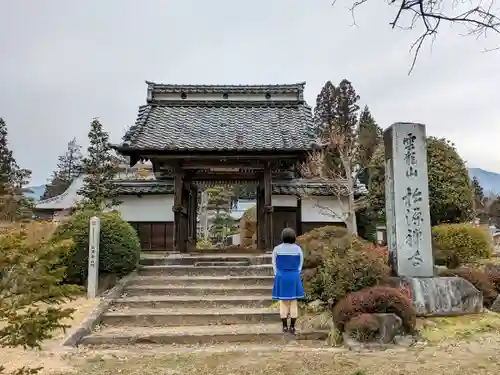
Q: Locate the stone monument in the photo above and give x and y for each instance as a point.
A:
(93, 274)
(409, 228)
(407, 198)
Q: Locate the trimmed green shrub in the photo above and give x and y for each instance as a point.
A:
(479, 279)
(456, 244)
(378, 299)
(119, 249)
(336, 264)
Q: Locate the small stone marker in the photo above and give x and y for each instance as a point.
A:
(407, 200)
(93, 276)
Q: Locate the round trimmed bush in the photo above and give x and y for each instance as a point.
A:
(336, 263)
(119, 248)
(456, 244)
(378, 299)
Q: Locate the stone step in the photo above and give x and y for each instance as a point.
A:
(202, 280)
(255, 333)
(189, 301)
(262, 270)
(200, 290)
(179, 317)
(178, 259)
(229, 250)
(222, 263)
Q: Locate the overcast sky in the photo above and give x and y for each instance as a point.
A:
(64, 62)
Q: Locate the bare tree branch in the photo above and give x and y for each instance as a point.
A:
(478, 20)
(316, 169)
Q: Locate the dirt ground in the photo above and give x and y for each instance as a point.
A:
(474, 357)
(51, 355)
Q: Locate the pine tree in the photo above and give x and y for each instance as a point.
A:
(7, 162)
(32, 290)
(100, 167)
(477, 189)
(13, 205)
(68, 168)
(220, 202)
(336, 116)
(369, 137)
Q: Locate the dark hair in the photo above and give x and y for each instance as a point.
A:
(288, 235)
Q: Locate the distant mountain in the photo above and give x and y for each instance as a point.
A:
(489, 181)
(35, 192)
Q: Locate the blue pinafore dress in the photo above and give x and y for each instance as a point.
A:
(287, 263)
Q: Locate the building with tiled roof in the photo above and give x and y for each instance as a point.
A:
(198, 135)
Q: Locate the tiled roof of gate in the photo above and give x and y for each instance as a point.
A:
(218, 125)
(298, 187)
(144, 187)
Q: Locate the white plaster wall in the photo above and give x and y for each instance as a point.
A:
(284, 201)
(324, 209)
(146, 208)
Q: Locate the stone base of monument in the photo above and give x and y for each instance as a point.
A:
(441, 296)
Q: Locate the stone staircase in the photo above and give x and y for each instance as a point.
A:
(195, 299)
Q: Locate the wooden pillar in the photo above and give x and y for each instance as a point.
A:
(192, 216)
(260, 215)
(185, 214)
(177, 208)
(298, 218)
(268, 208)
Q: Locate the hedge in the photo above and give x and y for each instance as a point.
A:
(457, 244)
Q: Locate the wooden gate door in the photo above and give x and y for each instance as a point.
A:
(283, 217)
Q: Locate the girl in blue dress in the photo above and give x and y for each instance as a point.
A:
(287, 263)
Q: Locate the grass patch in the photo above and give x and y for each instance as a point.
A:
(437, 330)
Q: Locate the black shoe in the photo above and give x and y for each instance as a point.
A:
(292, 326)
(284, 321)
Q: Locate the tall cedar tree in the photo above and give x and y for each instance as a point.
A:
(336, 118)
(13, 205)
(477, 189)
(100, 167)
(68, 168)
(369, 137)
(7, 162)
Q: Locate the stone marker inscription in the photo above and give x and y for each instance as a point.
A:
(407, 200)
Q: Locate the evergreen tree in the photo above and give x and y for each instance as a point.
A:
(7, 162)
(336, 117)
(32, 291)
(477, 189)
(369, 137)
(219, 203)
(100, 167)
(68, 168)
(13, 205)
